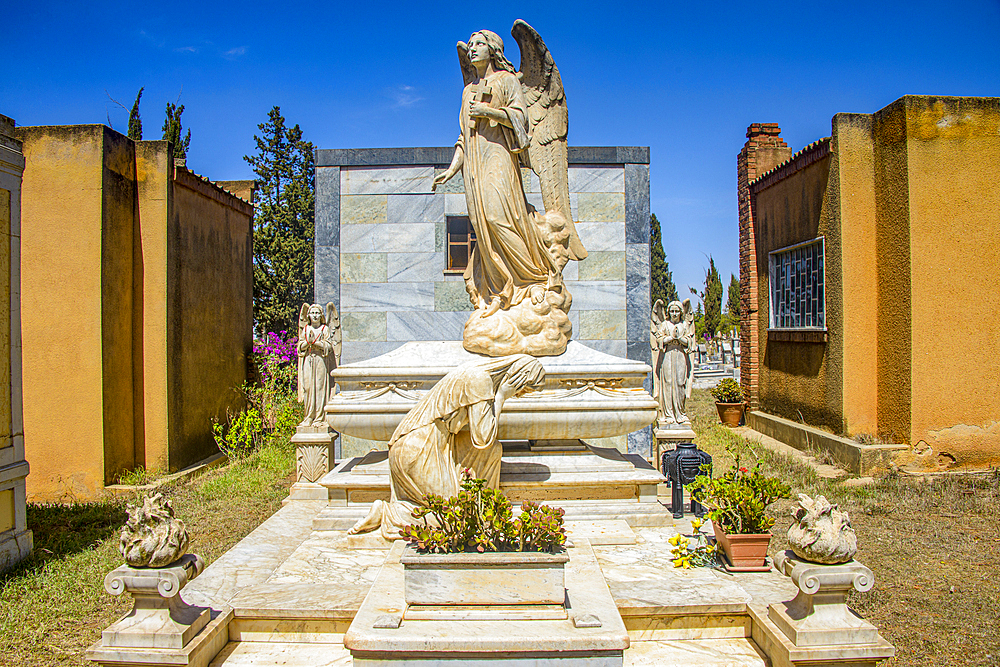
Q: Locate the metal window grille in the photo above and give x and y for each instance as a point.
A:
(798, 300)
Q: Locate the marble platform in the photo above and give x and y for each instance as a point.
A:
(587, 394)
(590, 483)
(292, 593)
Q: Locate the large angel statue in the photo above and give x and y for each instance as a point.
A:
(319, 353)
(509, 118)
(672, 339)
(453, 428)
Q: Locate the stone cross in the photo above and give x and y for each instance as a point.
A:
(481, 92)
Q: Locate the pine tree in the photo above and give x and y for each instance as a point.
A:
(712, 298)
(661, 281)
(172, 131)
(283, 224)
(134, 121)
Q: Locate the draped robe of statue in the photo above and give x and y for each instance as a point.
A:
(510, 255)
(429, 450)
(315, 348)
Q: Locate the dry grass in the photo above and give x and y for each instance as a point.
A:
(53, 606)
(933, 545)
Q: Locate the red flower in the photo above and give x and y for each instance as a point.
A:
(744, 470)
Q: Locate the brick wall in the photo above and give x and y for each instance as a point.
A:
(763, 150)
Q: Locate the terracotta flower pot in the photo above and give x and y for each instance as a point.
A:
(743, 550)
(730, 413)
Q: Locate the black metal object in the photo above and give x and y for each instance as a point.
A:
(681, 466)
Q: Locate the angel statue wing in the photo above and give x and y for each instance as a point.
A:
(656, 317)
(303, 323)
(687, 314)
(336, 335)
(548, 126)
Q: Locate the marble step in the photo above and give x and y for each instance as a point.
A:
(740, 652)
(286, 654)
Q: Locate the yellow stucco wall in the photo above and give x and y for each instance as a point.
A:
(153, 183)
(798, 380)
(61, 236)
(6, 510)
(852, 201)
(214, 312)
(953, 168)
(6, 437)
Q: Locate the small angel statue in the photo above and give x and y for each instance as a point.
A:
(319, 353)
(509, 118)
(672, 339)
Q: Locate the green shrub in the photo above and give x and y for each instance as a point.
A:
(728, 391)
(739, 498)
(481, 519)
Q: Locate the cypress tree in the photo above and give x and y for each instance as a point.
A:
(733, 299)
(172, 131)
(134, 121)
(661, 281)
(283, 224)
(712, 298)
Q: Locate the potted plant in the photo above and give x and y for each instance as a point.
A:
(475, 551)
(729, 401)
(738, 501)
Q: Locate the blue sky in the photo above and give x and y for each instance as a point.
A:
(684, 79)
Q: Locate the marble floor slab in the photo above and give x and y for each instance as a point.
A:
(702, 652)
(286, 654)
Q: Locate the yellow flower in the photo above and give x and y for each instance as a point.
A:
(678, 562)
(675, 540)
(696, 523)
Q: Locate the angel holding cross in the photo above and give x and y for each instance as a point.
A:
(519, 253)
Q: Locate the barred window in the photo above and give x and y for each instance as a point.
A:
(461, 242)
(798, 297)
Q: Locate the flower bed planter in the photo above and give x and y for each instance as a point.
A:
(501, 578)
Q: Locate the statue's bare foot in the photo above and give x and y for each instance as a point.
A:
(371, 521)
(537, 294)
(492, 308)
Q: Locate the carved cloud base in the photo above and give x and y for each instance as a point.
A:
(541, 330)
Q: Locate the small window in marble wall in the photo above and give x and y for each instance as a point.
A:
(461, 242)
(798, 298)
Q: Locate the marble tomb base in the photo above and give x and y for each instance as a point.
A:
(290, 595)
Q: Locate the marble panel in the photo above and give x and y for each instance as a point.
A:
(400, 237)
(704, 652)
(386, 180)
(637, 290)
(415, 267)
(363, 209)
(423, 325)
(439, 236)
(618, 442)
(353, 446)
(361, 351)
(455, 204)
(327, 213)
(363, 326)
(586, 178)
(415, 208)
(601, 207)
(615, 348)
(326, 275)
(530, 180)
(571, 271)
(637, 203)
(641, 442)
(593, 295)
(602, 325)
(455, 185)
(601, 236)
(387, 296)
(450, 295)
(535, 199)
(603, 265)
(367, 267)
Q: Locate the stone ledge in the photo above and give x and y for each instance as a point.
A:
(857, 458)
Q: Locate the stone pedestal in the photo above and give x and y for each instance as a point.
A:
(817, 627)
(159, 617)
(316, 453)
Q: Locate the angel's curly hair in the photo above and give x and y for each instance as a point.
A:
(495, 42)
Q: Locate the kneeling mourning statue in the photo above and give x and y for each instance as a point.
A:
(681, 466)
